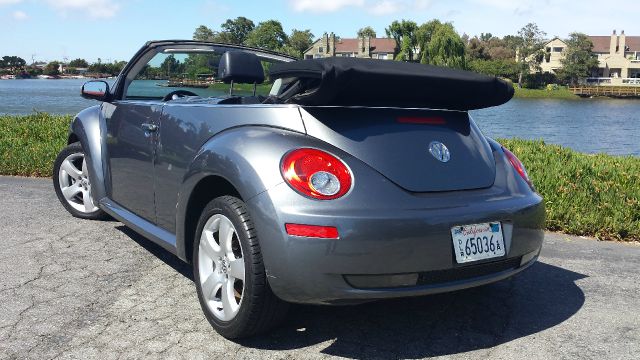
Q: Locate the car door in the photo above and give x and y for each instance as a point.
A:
(131, 141)
(133, 122)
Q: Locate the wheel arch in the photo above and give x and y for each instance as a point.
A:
(88, 128)
(205, 190)
(72, 138)
(243, 162)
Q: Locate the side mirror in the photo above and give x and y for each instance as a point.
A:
(95, 90)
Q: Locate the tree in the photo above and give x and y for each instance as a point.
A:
(267, 35)
(529, 54)
(446, 48)
(404, 33)
(298, 42)
(512, 42)
(498, 50)
(508, 69)
(366, 31)
(113, 68)
(13, 62)
(488, 47)
(78, 63)
(476, 49)
(171, 66)
(578, 60)
(203, 33)
(52, 68)
(424, 33)
(485, 37)
(237, 29)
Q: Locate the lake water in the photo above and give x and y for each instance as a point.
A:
(587, 125)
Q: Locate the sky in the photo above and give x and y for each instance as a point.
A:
(47, 30)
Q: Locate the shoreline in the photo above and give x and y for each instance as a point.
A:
(562, 93)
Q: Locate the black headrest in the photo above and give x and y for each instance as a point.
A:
(240, 67)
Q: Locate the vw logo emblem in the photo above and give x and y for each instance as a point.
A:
(439, 151)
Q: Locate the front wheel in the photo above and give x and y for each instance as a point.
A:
(72, 184)
(229, 273)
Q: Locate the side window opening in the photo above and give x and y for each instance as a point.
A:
(196, 72)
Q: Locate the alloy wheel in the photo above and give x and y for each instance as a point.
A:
(73, 178)
(221, 267)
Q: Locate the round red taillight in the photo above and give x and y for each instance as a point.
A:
(517, 164)
(316, 174)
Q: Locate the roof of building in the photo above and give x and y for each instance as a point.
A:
(350, 45)
(378, 45)
(633, 42)
(601, 43)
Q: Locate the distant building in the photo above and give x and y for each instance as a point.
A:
(618, 57)
(364, 47)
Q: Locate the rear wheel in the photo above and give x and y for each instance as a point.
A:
(73, 185)
(229, 273)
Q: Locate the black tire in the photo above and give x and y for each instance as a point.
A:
(260, 310)
(71, 149)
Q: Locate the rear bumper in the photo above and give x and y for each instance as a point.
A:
(382, 239)
(464, 280)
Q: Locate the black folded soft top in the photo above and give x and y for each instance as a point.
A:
(368, 82)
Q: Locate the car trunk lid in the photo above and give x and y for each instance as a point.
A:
(396, 143)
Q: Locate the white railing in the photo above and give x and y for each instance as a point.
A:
(598, 80)
(631, 81)
(608, 81)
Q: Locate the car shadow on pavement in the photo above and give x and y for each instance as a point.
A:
(443, 324)
(537, 299)
(156, 250)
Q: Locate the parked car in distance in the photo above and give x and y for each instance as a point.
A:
(338, 181)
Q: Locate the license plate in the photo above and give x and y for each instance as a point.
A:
(477, 242)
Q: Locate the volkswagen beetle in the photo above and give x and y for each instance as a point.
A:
(323, 181)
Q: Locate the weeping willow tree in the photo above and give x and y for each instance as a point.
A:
(446, 48)
(404, 33)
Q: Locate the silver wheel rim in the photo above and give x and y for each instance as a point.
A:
(73, 178)
(221, 267)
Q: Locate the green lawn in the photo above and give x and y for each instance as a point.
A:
(29, 144)
(595, 195)
(561, 93)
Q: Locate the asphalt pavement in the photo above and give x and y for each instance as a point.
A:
(74, 288)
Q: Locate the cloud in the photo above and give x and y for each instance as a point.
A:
(9, 2)
(386, 7)
(323, 6)
(93, 8)
(422, 4)
(389, 7)
(373, 7)
(19, 15)
(517, 7)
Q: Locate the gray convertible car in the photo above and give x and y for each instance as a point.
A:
(322, 181)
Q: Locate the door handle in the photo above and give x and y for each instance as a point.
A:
(149, 127)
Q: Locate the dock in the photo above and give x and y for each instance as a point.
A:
(608, 91)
